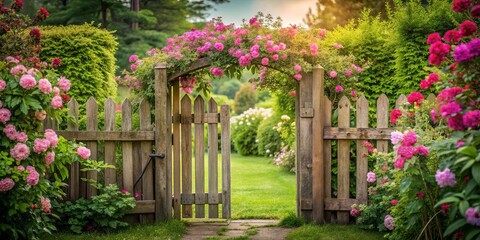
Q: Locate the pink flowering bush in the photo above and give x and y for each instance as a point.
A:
(32, 161)
(261, 45)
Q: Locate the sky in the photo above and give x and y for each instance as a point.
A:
(291, 11)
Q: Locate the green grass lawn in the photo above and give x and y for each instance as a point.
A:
(260, 189)
(333, 232)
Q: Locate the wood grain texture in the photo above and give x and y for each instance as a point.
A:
(176, 150)
(328, 157)
(226, 178)
(212, 163)
(318, 161)
(127, 147)
(186, 105)
(92, 125)
(199, 110)
(109, 125)
(343, 179)
(146, 183)
(382, 120)
(74, 168)
(362, 160)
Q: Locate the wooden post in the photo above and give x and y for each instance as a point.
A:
(92, 125)
(304, 147)
(176, 149)
(127, 147)
(74, 168)
(161, 133)
(343, 179)
(109, 125)
(318, 162)
(146, 149)
(362, 161)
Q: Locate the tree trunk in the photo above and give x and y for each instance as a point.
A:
(135, 6)
(104, 8)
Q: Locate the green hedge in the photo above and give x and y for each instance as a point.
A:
(88, 60)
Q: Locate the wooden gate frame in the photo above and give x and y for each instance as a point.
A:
(168, 205)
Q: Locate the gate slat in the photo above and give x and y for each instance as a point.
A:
(343, 158)
(199, 111)
(176, 149)
(145, 149)
(92, 125)
(127, 147)
(186, 120)
(362, 160)
(328, 157)
(109, 125)
(212, 163)
(74, 169)
(225, 136)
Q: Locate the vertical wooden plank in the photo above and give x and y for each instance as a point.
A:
(176, 149)
(382, 120)
(297, 143)
(74, 169)
(199, 110)
(400, 101)
(304, 147)
(212, 163)
(168, 156)
(145, 150)
(343, 178)
(109, 125)
(362, 160)
(318, 161)
(92, 125)
(226, 179)
(328, 157)
(161, 134)
(186, 119)
(127, 147)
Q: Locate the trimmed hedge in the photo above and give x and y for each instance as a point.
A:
(88, 60)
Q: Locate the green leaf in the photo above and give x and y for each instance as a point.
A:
(467, 165)
(472, 234)
(476, 172)
(404, 184)
(447, 200)
(470, 151)
(454, 227)
(463, 206)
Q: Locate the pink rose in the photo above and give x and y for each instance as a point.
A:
(52, 137)
(57, 102)
(20, 151)
(339, 88)
(3, 85)
(64, 84)
(33, 176)
(265, 61)
(27, 82)
(44, 86)
(40, 145)
(21, 137)
(333, 74)
(219, 46)
(83, 152)
(46, 206)
(5, 115)
(49, 158)
(297, 68)
(275, 57)
(6, 184)
(133, 58)
(297, 76)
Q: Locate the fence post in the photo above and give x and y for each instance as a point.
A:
(161, 134)
(318, 161)
(304, 119)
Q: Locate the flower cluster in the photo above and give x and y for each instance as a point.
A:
(404, 145)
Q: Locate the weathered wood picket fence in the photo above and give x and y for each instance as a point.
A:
(155, 201)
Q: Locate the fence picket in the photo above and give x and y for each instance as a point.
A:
(92, 125)
(212, 163)
(176, 149)
(382, 120)
(199, 111)
(74, 168)
(400, 101)
(127, 147)
(109, 125)
(362, 161)
(146, 183)
(343, 158)
(186, 121)
(225, 137)
(328, 157)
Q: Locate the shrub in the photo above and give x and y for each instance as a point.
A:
(87, 55)
(269, 140)
(103, 212)
(245, 98)
(244, 130)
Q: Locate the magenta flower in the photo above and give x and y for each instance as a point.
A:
(238, 41)
(56, 102)
(461, 5)
(394, 202)
(348, 72)
(337, 45)
(332, 74)
(5, 115)
(64, 84)
(473, 216)
(461, 53)
(452, 36)
(422, 150)
(265, 61)
(353, 93)
(297, 68)
(44, 86)
(27, 81)
(445, 178)
(433, 38)
(406, 151)
(6, 184)
(467, 28)
(355, 212)
(3, 85)
(83, 152)
(394, 115)
(389, 222)
(471, 119)
(371, 177)
(216, 71)
(219, 46)
(275, 57)
(297, 76)
(338, 88)
(456, 122)
(133, 58)
(52, 137)
(409, 139)
(415, 97)
(20, 151)
(32, 178)
(475, 11)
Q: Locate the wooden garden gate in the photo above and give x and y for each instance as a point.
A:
(175, 116)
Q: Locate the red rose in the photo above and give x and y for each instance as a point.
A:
(56, 62)
(17, 5)
(467, 28)
(452, 36)
(35, 33)
(394, 115)
(65, 97)
(461, 5)
(415, 97)
(476, 11)
(433, 38)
